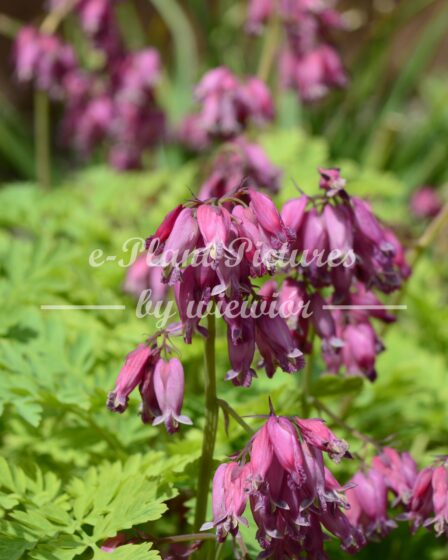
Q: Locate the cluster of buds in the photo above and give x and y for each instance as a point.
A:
(332, 247)
(422, 495)
(292, 495)
(160, 382)
(210, 251)
(113, 104)
(309, 64)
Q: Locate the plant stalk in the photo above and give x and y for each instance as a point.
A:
(211, 425)
(307, 381)
(42, 138)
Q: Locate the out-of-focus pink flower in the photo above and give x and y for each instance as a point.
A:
(141, 276)
(331, 181)
(398, 470)
(169, 392)
(98, 22)
(240, 164)
(313, 74)
(193, 134)
(227, 105)
(425, 202)
(260, 11)
(367, 496)
(43, 59)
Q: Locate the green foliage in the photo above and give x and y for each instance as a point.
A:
(74, 474)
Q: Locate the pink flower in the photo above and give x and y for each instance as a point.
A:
(368, 504)
(142, 276)
(398, 470)
(228, 500)
(240, 164)
(425, 202)
(260, 11)
(137, 365)
(292, 495)
(227, 105)
(169, 392)
(316, 433)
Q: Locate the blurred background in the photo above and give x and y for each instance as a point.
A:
(392, 117)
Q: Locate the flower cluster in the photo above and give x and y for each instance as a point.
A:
(113, 104)
(293, 497)
(422, 495)
(161, 386)
(309, 64)
(344, 248)
(239, 164)
(227, 107)
(333, 249)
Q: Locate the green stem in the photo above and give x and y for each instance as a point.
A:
(307, 381)
(211, 425)
(227, 409)
(269, 49)
(42, 138)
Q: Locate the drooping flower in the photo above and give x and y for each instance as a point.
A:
(316, 433)
(240, 164)
(169, 392)
(44, 60)
(227, 105)
(229, 499)
(137, 366)
(141, 276)
(293, 497)
(398, 470)
(367, 496)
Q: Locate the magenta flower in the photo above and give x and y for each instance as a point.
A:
(277, 346)
(260, 11)
(241, 349)
(192, 134)
(229, 500)
(291, 494)
(398, 470)
(137, 366)
(367, 496)
(240, 164)
(141, 276)
(313, 74)
(44, 60)
(331, 181)
(317, 434)
(169, 392)
(425, 202)
(227, 105)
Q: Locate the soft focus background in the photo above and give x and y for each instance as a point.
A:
(387, 130)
